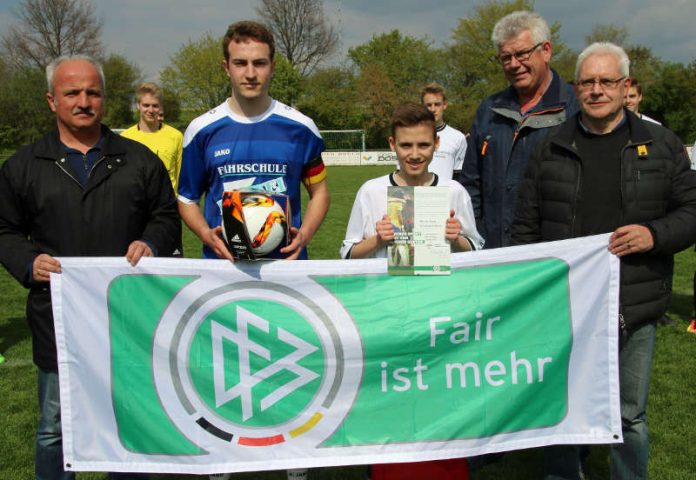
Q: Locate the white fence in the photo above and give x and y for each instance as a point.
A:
(373, 157)
(387, 157)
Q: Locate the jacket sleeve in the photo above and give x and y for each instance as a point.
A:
(17, 251)
(163, 229)
(470, 175)
(526, 226)
(676, 230)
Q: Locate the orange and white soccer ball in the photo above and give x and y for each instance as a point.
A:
(265, 222)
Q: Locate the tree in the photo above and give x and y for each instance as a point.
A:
(286, 82)
(671, 98)
(645, 66)
(172, 108)
(301, 31)
(329, 98)
(6, 129)
(50, 28)
(26, 115)
(121, 77)
(409, 62)
(195, 75)
(392, 68)
(608, 33)
(379, 96)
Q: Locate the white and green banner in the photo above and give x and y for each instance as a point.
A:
(204, 366)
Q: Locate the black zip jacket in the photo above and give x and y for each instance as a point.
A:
(44, 209)
(658, 190)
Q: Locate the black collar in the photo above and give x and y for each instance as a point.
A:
(392, 180)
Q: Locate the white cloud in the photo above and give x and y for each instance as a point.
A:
(667, 27)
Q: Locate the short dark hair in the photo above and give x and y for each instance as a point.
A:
(433, 88)
(635, 83)
(410, 114)
(246, 29)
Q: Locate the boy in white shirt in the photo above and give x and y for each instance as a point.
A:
(370, 230)
(449, 156)
(414, 141)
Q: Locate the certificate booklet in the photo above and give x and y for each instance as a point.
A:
(418, 215)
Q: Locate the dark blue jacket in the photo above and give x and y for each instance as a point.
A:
(501, 142)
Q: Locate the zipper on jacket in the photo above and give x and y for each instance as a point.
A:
(95, 166)
(60, 163)
(578, 181)
(623, 160)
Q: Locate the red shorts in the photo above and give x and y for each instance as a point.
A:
(452, 469)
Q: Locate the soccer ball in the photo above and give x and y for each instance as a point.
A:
(265, 222)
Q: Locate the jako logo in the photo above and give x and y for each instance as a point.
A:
(222, 151)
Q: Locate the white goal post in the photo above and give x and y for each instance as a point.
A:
(344, 140)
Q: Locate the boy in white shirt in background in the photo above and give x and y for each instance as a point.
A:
(449, 156)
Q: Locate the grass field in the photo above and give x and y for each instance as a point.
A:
(671, 409)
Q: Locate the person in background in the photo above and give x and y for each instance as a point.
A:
(164, 140)
(634, 97)
(449, 156)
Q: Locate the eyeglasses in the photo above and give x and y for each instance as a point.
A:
(604, 83)
(521, 56)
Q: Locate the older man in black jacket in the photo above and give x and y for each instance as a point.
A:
(78, 191)
(605, 170)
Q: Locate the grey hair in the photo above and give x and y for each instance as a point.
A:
(51, 69)
(515, 23)
(604, 48)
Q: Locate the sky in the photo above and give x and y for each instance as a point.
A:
(149, 32)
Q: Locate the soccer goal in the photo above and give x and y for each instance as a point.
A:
(344, 140)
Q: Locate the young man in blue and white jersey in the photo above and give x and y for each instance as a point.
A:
(251, 141)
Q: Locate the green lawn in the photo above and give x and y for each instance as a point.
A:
(672, 404)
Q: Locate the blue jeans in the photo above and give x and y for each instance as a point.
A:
(629, 460)
(49, 436)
